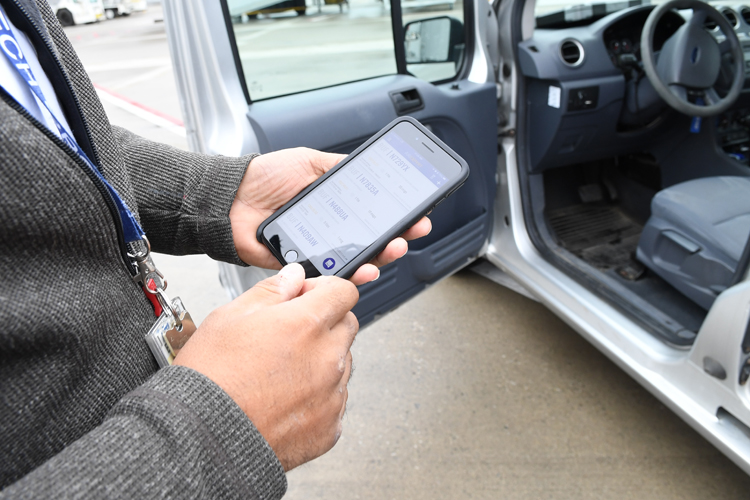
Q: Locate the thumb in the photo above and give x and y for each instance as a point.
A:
(282, 287)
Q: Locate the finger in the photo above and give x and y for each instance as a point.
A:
(343, 387)
(328, 298)
(279, 288)
(420, 229)
(350, 324)
(350, 368)
(343, 404)
(342, 334)
(334, 353)
(396, 249)
(325, 161)
(365, 274)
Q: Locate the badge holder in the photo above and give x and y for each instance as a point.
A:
(174, 326)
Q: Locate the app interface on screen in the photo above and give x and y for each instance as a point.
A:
(360, 202)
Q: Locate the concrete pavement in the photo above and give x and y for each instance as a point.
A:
(469, 390)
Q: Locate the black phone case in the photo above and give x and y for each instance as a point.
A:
(409, 220)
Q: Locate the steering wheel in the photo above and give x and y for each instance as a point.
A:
(690, 61)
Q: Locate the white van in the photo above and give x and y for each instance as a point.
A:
(71, 12)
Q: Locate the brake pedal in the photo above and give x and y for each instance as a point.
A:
(590, 193)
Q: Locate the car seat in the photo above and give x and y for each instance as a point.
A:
(696, 235)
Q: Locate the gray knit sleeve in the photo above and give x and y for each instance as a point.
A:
(176, 436)
(183, 198)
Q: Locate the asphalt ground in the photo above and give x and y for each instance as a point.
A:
(469, 390)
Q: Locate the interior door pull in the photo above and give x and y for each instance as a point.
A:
(406, 101)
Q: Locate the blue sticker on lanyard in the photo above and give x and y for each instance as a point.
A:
(9, 46)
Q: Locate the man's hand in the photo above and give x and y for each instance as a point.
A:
(275, 178)
(281, 352)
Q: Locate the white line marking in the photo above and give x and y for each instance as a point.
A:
(141, 113)
(244, 36)
(384, 45)
(155, 62)
(142, 78)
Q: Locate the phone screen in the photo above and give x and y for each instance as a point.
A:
(361, 201)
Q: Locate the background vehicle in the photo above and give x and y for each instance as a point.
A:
(424, 4)
(565, 116)
(115, 8)
(254, 7)
(71, 12)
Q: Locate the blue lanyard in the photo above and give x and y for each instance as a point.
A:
(132, 231)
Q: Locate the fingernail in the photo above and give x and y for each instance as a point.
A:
(378, 276)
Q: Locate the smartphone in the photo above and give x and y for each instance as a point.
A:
(347, 216)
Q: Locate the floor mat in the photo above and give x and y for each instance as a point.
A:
(601, 235)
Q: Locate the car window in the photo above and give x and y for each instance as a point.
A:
(288, 47)
(576, 10)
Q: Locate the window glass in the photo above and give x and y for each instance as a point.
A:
(576, 10)
(434, 38)
(290, 46)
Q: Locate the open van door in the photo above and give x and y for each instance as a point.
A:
(331, 79)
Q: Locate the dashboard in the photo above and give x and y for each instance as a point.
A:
(580, 81)
(623, 38)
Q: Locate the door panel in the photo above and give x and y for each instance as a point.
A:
(340, 118)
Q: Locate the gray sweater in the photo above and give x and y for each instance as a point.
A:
(83, 410)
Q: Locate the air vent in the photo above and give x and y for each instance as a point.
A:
(710, 24)
(731, 17)
(745, 13)
(571, 52)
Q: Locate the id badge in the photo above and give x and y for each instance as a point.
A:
(164, 338)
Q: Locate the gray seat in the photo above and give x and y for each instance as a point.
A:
(696, 235)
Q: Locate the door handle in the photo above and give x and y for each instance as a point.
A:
(406, 101)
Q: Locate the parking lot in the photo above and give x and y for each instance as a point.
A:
(470, 390)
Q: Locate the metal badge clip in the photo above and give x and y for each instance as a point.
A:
(147, 269)
(174, 326)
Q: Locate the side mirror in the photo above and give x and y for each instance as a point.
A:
(434, 40)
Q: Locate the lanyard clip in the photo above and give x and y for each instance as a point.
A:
(147, 274)
(147, 270)
(173, 326)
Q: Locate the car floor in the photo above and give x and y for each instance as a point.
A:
(606, 238)
(600, 234)
(597, 213)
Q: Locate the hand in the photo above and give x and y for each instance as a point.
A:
(281, 352)
(275, 178)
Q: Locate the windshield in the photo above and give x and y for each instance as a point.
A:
(562, 12)
(567, 12)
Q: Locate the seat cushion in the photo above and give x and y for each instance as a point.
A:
(696, 235)
(712, 211)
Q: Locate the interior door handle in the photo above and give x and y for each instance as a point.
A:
(406, 101)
